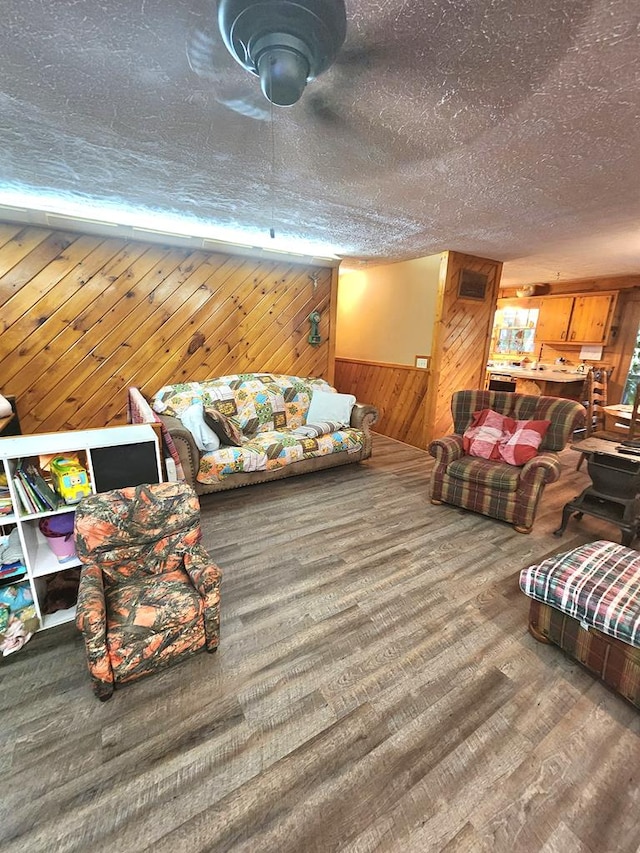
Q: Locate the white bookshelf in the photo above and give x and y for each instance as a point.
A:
(138, 441)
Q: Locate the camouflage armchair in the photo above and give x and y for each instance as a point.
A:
(149, 593)
(495, 488)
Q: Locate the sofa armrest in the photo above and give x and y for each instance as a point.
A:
(205, 577)
(547, 465)
(363, 416)
(186, 447)
(447, 449)
(91, 620)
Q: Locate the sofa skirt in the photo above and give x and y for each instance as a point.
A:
(305, 466)
(615, 663)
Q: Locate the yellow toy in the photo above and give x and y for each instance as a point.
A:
(69, 479)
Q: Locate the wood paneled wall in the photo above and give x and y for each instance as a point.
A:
(579, 285)
(84, 317)
(398, 391)
(619, 353)
(462, 337)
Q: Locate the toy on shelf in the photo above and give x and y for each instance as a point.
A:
(70, 479)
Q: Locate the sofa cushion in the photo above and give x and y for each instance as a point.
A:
(523, 442)
(224, 427)
(262, 402)
(172, 400)
(254, 400)
(193, 419)
(267, 451)
(598, 584)
(565, 415)
(330, 406)
(485, 472)
(488, 429)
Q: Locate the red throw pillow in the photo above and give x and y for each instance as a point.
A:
(524, 441)
(487, 430)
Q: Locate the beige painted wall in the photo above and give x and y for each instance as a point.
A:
(386, 313)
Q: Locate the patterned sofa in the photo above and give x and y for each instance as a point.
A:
(505, 491)
(270, 412)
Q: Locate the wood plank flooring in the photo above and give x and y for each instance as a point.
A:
(375, 689)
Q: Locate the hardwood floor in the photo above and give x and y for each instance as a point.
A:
(375, 689)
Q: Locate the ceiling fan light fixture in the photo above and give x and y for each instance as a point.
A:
(283, 75)
(286, 43)
(283, 63)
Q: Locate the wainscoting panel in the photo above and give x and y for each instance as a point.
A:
(84, 317)
(397, 390)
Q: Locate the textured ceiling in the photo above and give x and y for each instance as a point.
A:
(504, 129)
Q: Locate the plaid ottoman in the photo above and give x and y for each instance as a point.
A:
(587, 602)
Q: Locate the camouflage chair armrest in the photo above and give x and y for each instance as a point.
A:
(205, 577)
(91, 620)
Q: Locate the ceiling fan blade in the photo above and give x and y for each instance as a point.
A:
(209, 59)
(365, 140)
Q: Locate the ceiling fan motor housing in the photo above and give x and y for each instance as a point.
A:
(286, 43)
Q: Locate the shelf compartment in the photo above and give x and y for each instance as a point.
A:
(60, 617)
(46, 562)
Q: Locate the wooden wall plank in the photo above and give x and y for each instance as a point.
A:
(8, 231)
(85, 317)
(28, 360)
(462, 335)
(398, 391)
(38, 299)
(13, 253)
(39, 257)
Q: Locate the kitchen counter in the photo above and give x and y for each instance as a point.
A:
(551, 381)
(547, 374)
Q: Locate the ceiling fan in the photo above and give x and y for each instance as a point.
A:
(286, 43)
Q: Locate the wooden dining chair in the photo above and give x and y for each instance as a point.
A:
(596, 398)
(624, 429)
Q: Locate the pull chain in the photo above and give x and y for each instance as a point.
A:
(272, 230)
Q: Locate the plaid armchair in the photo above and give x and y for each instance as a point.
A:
(149, 593)
(495, 488)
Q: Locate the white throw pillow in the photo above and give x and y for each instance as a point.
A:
(5, 407)
(330, 406)
(193, 419)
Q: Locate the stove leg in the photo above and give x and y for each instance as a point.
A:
(566, 512)
(628, 536)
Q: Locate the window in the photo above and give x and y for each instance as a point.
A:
(633, 376)
(514, 330)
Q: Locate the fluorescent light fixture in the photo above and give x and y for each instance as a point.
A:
(110, 213)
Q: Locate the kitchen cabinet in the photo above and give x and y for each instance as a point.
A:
(554, 318)
(591, 318)
(582, 319)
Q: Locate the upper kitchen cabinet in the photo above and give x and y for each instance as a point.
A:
(554, 318)
(591, 318)
(576, 319)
